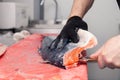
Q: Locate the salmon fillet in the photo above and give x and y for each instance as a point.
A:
(22, 61)
(87, 40)
(69, 56)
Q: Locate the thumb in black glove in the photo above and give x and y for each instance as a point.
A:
(69, 33)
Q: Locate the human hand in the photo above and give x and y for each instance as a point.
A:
(69, 32)
(109, 54)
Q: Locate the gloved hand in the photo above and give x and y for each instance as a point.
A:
(69, 32)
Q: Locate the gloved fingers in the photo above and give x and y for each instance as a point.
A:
(83, 25)
(63, 42)
(74, 36)
(55, 43)
(59, 43)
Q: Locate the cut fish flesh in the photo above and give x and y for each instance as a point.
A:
(71, 53)
(87, 40)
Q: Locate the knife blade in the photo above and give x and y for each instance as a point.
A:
(87, 59)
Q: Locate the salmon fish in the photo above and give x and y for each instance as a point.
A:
(69, 56)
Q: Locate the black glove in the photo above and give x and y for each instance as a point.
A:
(118, 2)
(53, 51)
(69, 33)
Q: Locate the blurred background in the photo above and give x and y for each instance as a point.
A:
(49, 16)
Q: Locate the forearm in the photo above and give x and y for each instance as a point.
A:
(80, 7)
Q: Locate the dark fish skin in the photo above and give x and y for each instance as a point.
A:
(53, 56)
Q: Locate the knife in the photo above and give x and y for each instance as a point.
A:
(87, 59)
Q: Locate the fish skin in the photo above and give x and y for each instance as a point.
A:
(54, 57)
(69, 55)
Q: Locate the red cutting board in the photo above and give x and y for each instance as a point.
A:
(21, 61)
